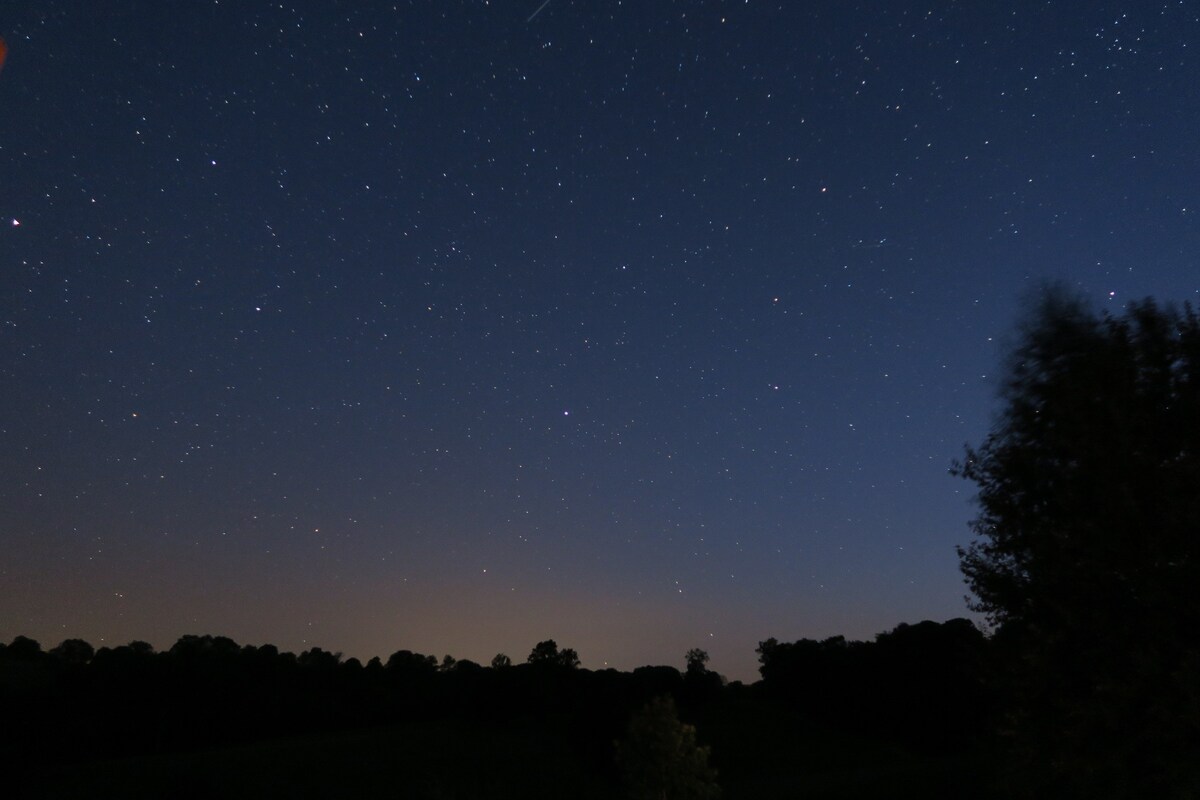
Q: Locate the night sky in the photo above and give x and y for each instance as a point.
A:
(455, 326)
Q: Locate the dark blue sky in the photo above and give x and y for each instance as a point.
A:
(639, 325)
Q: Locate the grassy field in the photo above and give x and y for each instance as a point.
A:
(445, 761)
(437, 762)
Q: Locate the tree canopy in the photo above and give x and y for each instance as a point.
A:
(548, 654)
(660, 758)
(1087, 530)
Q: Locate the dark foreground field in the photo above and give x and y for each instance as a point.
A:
(759, 753)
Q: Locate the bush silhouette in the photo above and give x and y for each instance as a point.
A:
(659, 758)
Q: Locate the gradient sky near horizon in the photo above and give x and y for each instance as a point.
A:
(455, 326)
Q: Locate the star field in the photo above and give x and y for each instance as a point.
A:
(458, 326)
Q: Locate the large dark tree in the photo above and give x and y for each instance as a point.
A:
(1086, 549)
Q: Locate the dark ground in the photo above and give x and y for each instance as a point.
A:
(758, 754)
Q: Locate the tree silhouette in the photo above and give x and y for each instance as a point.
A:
(22, 647)
(567, 657)
(547, 653)
(410, 663)
(543, 653)
(141, 648)
(74, 651)
(500, 661)
(659, 758)
(1086, 549)
(697, 661)
(318, 659)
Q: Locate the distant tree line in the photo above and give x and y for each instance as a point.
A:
(74, 703)
(926, 684)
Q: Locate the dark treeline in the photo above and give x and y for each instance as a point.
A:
(924, 684)
(920, 687)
